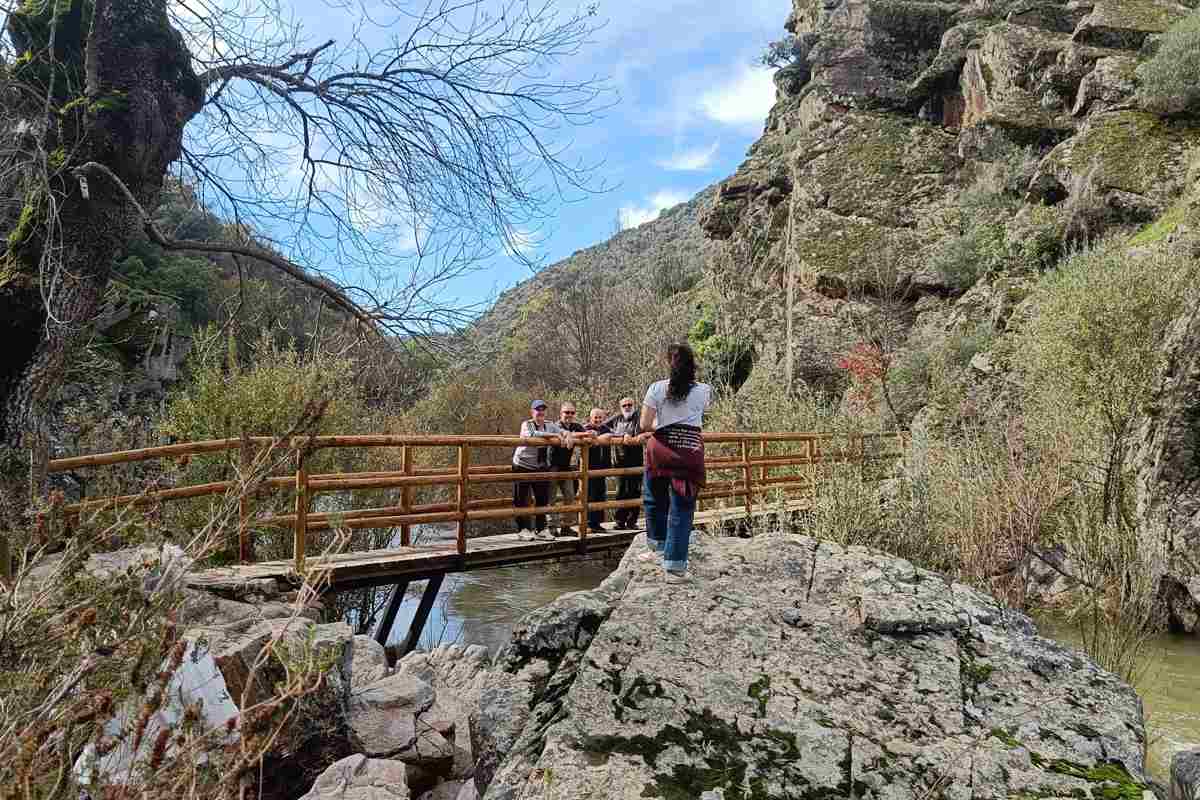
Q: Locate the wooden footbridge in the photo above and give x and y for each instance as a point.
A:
(749, 474)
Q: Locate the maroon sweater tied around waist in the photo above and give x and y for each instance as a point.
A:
(677, 452)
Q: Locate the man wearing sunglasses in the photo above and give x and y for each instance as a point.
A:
(561, 459)
(629, 487)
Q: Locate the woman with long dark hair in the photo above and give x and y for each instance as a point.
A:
(671, 422)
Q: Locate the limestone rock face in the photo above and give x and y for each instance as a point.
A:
(1168, 470)
(790, 667)
(357, 777)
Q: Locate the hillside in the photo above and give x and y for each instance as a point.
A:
(671, 244)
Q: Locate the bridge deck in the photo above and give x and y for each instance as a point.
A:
(375, 567)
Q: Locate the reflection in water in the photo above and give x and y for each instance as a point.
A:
(1170, 693)
(483, 607)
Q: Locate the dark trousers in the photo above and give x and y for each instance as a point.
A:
(629, 488)
(523, 492)
(597, 493)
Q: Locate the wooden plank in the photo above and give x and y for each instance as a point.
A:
(153, 496)
(245, 461)
(509, 513)
(373, 567)
(584, 458)
(218, 445)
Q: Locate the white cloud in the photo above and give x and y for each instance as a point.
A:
(633, 215)
(693, 160)
(743, 101)
(521, 242)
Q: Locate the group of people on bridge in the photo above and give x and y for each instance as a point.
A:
(664, 437)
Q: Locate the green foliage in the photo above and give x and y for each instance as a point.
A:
(978, 251)
(1169, 81)
(265, 396)
(995, 232)
(1090, 347)
(726, 357)
(191, 281)
(271, 395)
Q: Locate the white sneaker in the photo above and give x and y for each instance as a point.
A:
(525, 535)
(649, 555)
(544, 535)
(676, 577)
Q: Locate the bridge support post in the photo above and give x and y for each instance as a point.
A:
(762, 471)
(300, 539)
(245, 461)
(423, 608)
(406, 457)
(464, 468)
(748, 473)
(395, 600)
(583, 491)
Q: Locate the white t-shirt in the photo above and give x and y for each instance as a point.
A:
(667, 412)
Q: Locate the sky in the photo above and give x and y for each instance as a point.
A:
(689, 100)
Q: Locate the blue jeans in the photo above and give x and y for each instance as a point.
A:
(668, 521)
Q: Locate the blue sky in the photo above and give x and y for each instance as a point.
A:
(689, 100)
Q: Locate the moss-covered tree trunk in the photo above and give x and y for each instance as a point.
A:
(105, 82)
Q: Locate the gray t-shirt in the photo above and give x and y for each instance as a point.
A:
(535, 458)
(688, 412)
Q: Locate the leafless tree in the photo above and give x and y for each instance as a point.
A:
(373, 167)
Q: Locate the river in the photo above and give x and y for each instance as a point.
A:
(484, 607)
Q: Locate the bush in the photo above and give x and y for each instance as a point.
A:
(1169, 81)
(786, 51)
(268, 396)
(1089, 351)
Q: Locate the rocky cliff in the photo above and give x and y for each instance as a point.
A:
(887, 121)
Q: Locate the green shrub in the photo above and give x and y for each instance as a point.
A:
(963, 259)
(1089, 352)
(1169, 81)
(269, 396)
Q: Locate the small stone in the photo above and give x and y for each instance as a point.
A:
(357, 777)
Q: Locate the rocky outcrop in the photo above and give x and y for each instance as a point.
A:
(1168, 474)
(870, 160)
(526, 692)
(1185, 775)
(790, 667)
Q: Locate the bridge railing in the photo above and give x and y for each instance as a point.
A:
(750, 457)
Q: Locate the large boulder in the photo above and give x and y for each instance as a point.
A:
(792, 667)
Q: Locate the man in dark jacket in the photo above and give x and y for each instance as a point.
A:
(599, 457)
(629, 487)
(560, 461)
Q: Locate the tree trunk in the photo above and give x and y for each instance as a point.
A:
(119, 89)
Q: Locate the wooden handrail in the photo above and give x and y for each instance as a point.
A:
(753, 470)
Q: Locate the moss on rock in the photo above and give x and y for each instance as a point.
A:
(1131, 151)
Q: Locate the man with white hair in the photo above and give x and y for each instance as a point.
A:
(629, 487)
